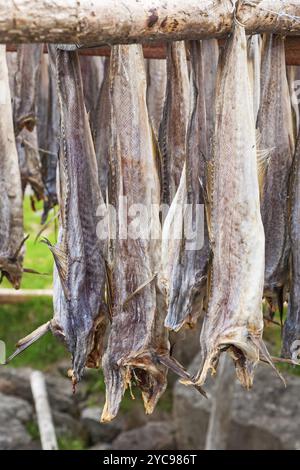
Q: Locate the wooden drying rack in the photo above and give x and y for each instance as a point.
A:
(158, 50)
(151, 22)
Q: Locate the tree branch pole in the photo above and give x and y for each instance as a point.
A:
(105, 22)
(43, 411)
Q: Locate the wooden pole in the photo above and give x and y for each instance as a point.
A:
(44, 417)
(219, 421)
(157, 50)
(103, 22)
(12, 296)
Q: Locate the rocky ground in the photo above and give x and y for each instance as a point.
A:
(268, 417)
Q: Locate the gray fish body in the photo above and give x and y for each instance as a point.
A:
(29, 161)
(102, 129)
(234, 318)
(210, 58)
(275, 125)
(156, 90)
(92, 76)
(174, 124)
(79, 253)
(137, 332)
(50, 157)
(291, 329)
(11, 204)
(185, 267)
(27, 85)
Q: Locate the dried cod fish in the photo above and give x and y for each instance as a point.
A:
(254, 64)
(80, 274)
(102, 129)
(51, 149)
(137, 335)
(210, 58)
(11, 203)
(185, 253)
(174, 124)
(291, 329)
(278, 138)
(234, 321)
(29, 162)
(92, 70)
(156, 90)
(29, 58)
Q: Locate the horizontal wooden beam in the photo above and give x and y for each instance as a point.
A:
(12, 296)
(158, 50)
(102, 22)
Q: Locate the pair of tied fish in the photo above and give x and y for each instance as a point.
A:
(80, 272)
(234, 319)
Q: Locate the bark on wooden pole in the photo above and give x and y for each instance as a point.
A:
(44, 417)
(115, 21)
(111, 21)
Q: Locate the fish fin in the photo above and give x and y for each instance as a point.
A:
(61, 263)
(24, 343)
(263, 159)
(20, 247)
(259, 343)
(141, 287)
(172, 364)
(45, 226)
(33, 271)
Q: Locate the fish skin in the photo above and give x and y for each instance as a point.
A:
(29, 162)
(279, 139)
(102, 129)
(29, 58)
(185, 270)
(156, 90)
(137, 335)
(92, 69)
(293, 77)
(291, 329)
(234, 320)
(80, 272)
(254, 64)
(174, 124)
(210, 59)
(11, 202)
(50, 159)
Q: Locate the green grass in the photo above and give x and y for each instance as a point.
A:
(17, 320)
(70, 443)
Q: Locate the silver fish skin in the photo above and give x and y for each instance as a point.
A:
(137, 334)
(234, 320)
(184, 266)
(29, 58)
(102, 136)
(174, 124)
(11, 201)
(156, 90)
(279, 140)
(80, 276)
(291, 329)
